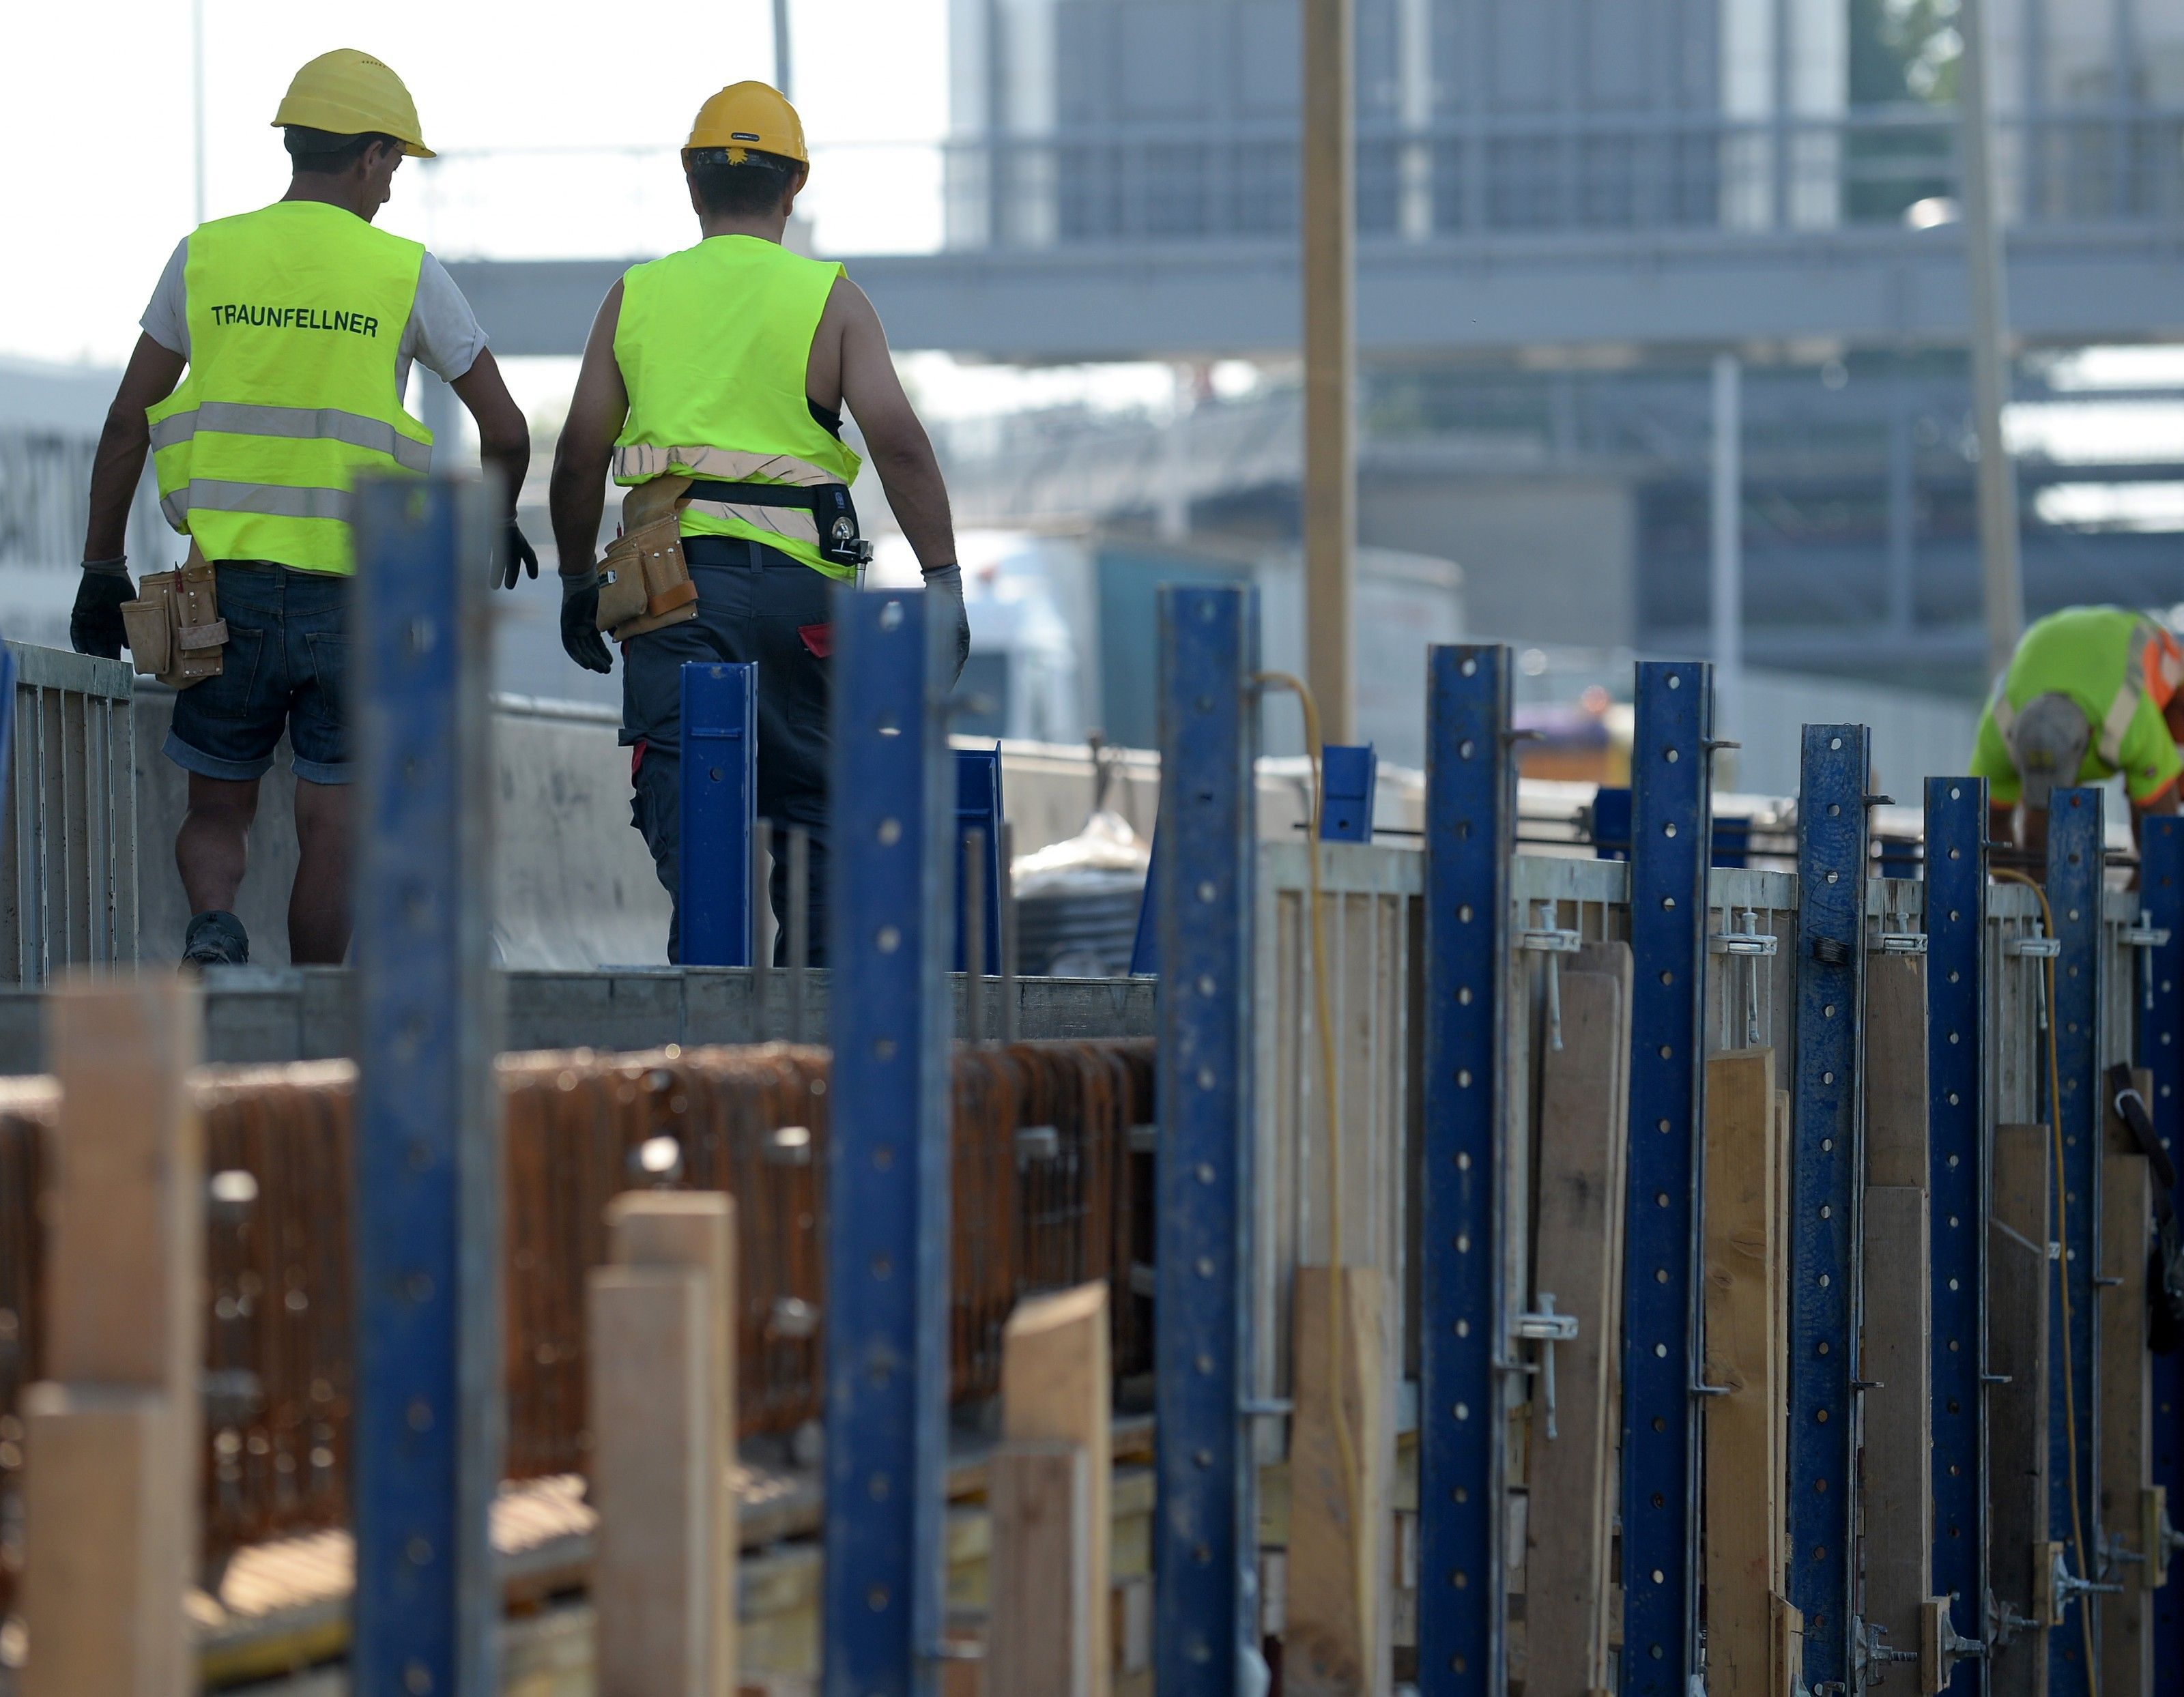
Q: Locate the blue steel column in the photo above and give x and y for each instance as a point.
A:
(2161, 1051)
(979, 808)
(1957, 1185)
(1827, 1193)
(1671, 802)
(891, 790)
(1205, 1525)
(2076, 859)
(427, 1430)
(1471, 812)
(718, 799)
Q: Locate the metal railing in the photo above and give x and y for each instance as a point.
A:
(68, 818)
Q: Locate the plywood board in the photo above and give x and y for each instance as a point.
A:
(2017, 1406)
(1896, 1072)
(1897, 1412)
(1040, 1639)
(2127, 1431)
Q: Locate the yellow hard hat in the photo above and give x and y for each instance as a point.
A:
(346, 93)
(749, 114)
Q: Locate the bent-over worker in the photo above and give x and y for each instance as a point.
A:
(715, 381)
(298, 324)
(2090, 692)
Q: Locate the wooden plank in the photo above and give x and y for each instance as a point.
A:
(1778, 1350)
(1341, 1507)
(102, 1586)
(2017, 1408)
(2127, 1419)
(1789, 1649)
(1743, 1231)
(662, 1425)
(1613, 959)
(1057, 1386)
(110, 1528)
(1895, 1072)
(1580, 1201)
(1040, 1643)
(1898, 1505)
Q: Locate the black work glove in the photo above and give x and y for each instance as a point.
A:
(580, 622)
(947, 582)
(95, 625)
(514, 555)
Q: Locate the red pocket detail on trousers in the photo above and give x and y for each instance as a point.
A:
(635, 758)
(818, 639)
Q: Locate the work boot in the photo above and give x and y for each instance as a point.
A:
(215, 939)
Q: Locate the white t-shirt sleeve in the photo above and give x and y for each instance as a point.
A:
(444, 334)
(166, 320)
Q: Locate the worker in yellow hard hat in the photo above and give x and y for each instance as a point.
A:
(296, 324)
(714, 383)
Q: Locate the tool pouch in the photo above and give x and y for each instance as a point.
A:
(175, 633)
(644, 581)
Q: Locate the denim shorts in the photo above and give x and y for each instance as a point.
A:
(285, 668)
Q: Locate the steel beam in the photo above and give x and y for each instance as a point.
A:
(887, 1167)
(1827, 1189)
(424, 1442)
(719, 799)
(1957, 1186)
(979, 808)
(2161, 1052)
(1470, 825)
(2075, 864)
(1671, 803)
(1205, 1526)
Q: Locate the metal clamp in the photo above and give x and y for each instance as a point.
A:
(1941, 1646)
(2037, 947)
(1751, 945)
(2146, 936)
(1548, 938)
(1548, 1328)
(1903, 940)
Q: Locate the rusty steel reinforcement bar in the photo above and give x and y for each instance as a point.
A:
(1048, 1193)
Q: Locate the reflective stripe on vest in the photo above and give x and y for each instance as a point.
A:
(296, 315)
(294, 423)
(640, 463)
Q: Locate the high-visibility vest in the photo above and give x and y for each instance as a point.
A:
(2098, 656)
(296, 313)
(713, 344)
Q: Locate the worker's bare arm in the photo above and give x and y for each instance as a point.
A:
(895, 442)
(150, 378)
(504, 436)
(577, 495)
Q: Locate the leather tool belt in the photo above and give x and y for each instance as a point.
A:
(175, 633)
(644, 581)
(833, 515)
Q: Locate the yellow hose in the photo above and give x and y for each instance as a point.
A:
(1345, 1443)
(2062, 1276)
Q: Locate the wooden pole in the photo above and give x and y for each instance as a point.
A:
(1330, 361)
(1338, 1621)
(112, 1480)
(1041, 1496)
(663, 1448)
(1744, 1519)
(1056, 1388)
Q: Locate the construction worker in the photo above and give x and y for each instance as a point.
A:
(714, 381)
(298, 324)
(2092, 692)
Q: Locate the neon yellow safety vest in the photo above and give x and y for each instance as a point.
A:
(296, 313)
(713, 344)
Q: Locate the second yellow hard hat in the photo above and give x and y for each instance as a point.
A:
(346, 93)
(750, 115)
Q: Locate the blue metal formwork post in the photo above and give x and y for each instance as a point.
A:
(720, 805)
(888, 1156)
(1205, 1525)
(1956, 1119)
(2161, 1052)
(1671, 802)
(1349, 774)
(979, 808)
(2075, 865)
(1471, 812)
(426, 1434)
(1827, 1193)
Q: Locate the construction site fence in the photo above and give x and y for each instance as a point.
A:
(1049, 1191)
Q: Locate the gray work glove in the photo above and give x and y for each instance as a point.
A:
(947, 582)
(95, 625)
(580, 622)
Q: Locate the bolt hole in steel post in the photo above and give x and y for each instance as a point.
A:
(427, 1599)
(887, 1218)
